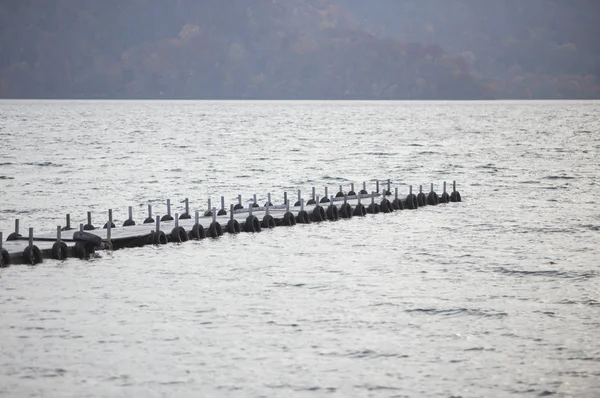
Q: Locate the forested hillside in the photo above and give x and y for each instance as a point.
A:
(296, 49)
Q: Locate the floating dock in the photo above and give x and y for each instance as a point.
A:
(83, 241)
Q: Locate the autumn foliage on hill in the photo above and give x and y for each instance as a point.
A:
(260, 49)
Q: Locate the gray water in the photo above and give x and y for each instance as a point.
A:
(495, 296)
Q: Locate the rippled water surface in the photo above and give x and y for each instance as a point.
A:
(496, 296)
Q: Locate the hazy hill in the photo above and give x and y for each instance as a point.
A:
(334, 49)
(537, 48)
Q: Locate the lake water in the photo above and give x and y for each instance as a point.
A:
(495, 296)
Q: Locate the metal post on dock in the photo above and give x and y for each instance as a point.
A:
(169, 207)
(326, 193)
(365, 186)
(331, 199)
(81, 227)
(359, 196)
(396, 193)
(58, 233)
(372, 197)
(68, 226)
(130, 212)
(255, 204)
(389, 187)
(299, 195)
(176, 220)
(222, 202)
(287, 206)
(352, 187)
(431, 190)
(209, 206)
(317, 200)
(250, 210)
(345, 199)
(454, 186)
(89, 221)
(313, 193)
(187, 206)
(231, 212)
(267, 206)
(285, 198)
(444, 186)
(410, 190)
(149, 211)
(301, 204)
(109, 232)
(157, 224)
(377, 185)
(269, 198)
(420, 188)
(30, 236)
(110, 217)
(1, 240)
(341, 189)
(17, 226)
(240, 200)
(196, 217)
(214, 214)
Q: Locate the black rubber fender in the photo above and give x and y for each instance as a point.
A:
(324, 200)
(340, 194)
(385, 206)
(88, 237)
(311, 202)
(433, 199)
(288, 219)
(60, 251)
(198, 232)
(238, 207)
(268, 222)
(303, 217)
(363, 192)
(360, 210)
(445, 198)
(4, 258)
(233, 227)
(222, 212)
(373, 208)
(351, 193)
(129, 222)
(166, 217)
(32, 255)
(13, 236)
(88, 227)
(421, 199)
(160, 238)
(185, 216)
(84, 250)
(149, 220)
(297, 204)
(411, 202)
(179, 235)
(332, 213)
(255, 205)
(215, 230)
(112, 225)
(252, 224)
(346, 210)
(397, 204)
(455, 197)
(267, 203)
(318, 214)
